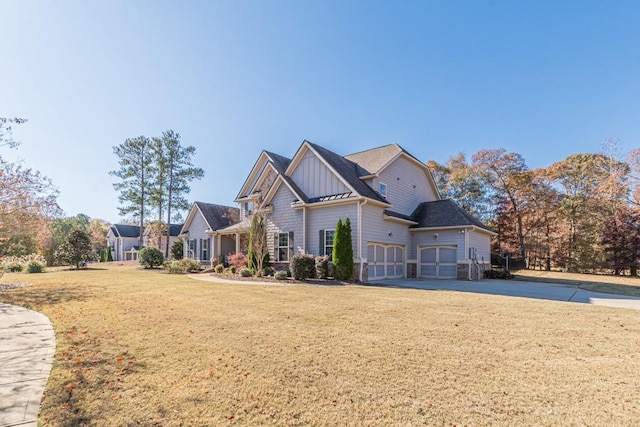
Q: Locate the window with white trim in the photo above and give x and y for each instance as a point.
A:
(328, 242)
(192, 248)
(383, 189)
(282, 247)
(204, 249)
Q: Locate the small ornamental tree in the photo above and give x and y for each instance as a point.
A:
(76, 248)
(258, 250)
(150, 257)
(177, 249)
(342, 251)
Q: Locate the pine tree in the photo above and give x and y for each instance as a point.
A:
(137, 171)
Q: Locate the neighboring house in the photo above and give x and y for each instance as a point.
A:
(160, 242)
(198, 231)
(124, 240)
(400, 226)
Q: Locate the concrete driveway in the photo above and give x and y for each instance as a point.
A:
(516, 288)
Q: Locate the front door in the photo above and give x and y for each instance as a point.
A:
(437, 262)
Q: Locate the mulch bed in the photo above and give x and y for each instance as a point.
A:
(289, 280)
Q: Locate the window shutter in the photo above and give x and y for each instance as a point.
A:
(291, 251)
(276, 252)
(321, 243)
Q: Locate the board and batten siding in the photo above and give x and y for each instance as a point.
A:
(326, 218)
(284, 219)
(315, 179)
(407, 185)
(376, 229)
(445, 238)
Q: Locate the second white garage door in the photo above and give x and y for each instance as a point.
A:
(438, 262)
(385, 261)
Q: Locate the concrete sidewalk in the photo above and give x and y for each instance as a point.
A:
(27, 347)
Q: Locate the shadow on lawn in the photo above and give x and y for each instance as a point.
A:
(36, 297)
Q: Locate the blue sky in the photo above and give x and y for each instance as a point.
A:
(542, 78)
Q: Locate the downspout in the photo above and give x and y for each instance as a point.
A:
(304, 230)
(466, 246)
(360, 205)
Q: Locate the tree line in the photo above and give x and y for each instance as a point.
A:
(580, 214)
(154, 178)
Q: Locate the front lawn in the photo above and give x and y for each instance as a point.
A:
(145, 348)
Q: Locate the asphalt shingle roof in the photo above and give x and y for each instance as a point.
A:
(281, 163)
(443, 213)
(123, 230)
(218, 216)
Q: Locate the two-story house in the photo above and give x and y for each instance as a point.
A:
(124, 240)
(400, 226)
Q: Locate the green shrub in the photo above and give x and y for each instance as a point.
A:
(219, 268)
(281, 275)
(35, 267)
(13, 266)
(303, 267)
(246, 272)
(150, 257)
(173, 267)
(322, 266)
(232, 269)
(189, 265)
(267, 271)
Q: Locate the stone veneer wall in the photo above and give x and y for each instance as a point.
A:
(463, 271)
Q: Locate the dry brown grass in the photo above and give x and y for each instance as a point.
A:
(143, 348)
(620, 285)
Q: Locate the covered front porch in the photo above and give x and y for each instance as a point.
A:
(232, 239)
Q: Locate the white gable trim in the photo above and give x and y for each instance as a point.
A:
(257, 168)
(299, 156)
(274, 188)
(418, 163)
(192, 213)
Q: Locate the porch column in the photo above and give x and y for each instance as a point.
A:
(219, 246)
(237, 243)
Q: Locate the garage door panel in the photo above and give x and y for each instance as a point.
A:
(385, 261)
(438, 262)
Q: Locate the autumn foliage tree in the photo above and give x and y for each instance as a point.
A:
(77, 248)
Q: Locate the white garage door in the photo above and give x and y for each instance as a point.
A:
(385, 261)
(437, 262)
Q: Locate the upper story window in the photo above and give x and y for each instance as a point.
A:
(248, 208)
(383, 189)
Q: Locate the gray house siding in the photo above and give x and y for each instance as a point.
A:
(482, 242)
(326, 218)
(196, 230)
(407, 185)
(376, 229)
(315, 178)
(445, 238)
(284, 219)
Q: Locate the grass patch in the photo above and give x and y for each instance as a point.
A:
(141, 347)
(618, 285)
